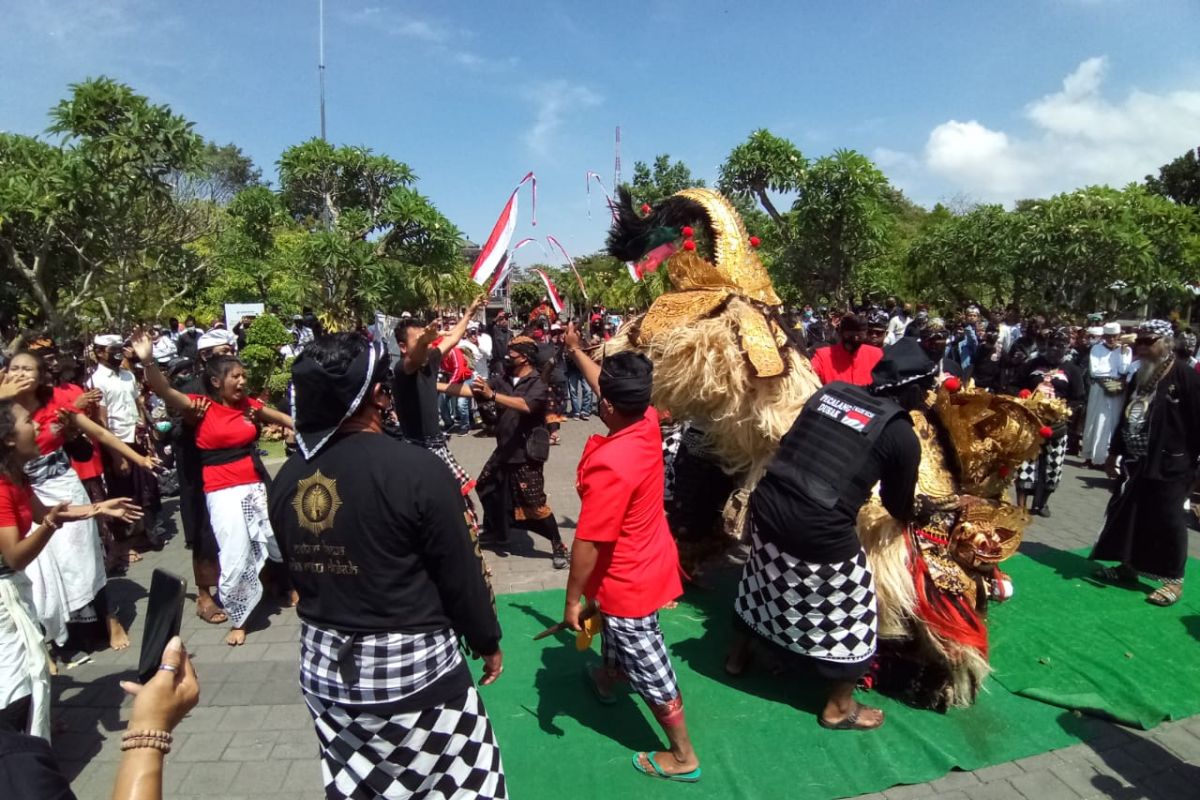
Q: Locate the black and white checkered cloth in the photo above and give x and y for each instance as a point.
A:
(634, 647)
(672, 436)
(1054, 450)
(444, 752)
(387, 667)
(824, 611)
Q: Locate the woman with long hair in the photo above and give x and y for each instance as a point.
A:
(227, 429)
(68, 579)
(27, 527)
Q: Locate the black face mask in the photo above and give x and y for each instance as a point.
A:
(511, 365)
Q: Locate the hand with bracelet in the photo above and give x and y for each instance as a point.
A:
(158, 706)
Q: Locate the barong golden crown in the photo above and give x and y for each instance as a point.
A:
(702, 288)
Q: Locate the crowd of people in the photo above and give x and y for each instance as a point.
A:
(370, 528)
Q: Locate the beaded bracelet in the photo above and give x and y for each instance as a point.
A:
(156, 740)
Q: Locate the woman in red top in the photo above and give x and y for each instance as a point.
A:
(234, 481)
(68, 579)
(24, 671)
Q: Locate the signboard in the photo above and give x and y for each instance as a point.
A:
(235, 311)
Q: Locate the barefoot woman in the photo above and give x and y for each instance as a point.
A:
(27, 526)
(69, 575)
(234, 479)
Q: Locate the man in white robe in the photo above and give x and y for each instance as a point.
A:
(1108, 362)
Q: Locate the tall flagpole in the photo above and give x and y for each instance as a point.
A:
(321, 67)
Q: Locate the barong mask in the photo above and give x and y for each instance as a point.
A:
(323, 397)
(711, 260)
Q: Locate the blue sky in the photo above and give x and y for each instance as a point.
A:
(956, 100)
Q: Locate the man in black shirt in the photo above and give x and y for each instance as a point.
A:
(501, 336)
(511, 486)
(416, 393)
(372, 533)
(807, 588)
(934, 340)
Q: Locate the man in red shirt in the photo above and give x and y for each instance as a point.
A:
(623, 557)
(849, 360)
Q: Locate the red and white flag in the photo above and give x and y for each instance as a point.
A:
(496, 247)
(551, 292)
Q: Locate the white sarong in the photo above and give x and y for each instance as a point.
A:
(1103, 411)
(24, 669)
(69, 571)
(245, 541)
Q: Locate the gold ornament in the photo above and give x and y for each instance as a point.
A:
(316, 502)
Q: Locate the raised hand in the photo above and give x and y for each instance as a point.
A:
(142, 346)
(13, 384)
(431, 332)
(88, 399)
(571, 338)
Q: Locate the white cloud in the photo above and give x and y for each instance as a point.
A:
(1078, 136)
(553, 102)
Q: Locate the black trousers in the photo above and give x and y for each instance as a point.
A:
(497, 492)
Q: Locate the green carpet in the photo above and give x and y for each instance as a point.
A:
(1071, 641)
(1060, 642)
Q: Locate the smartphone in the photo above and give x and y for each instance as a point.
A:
(164, 615)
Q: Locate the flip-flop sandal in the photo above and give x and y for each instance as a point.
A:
(601, 697)
(1163, 597)
(658, 772)
(211, 616)
(849, 723)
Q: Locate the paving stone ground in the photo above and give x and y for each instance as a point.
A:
(251, 735)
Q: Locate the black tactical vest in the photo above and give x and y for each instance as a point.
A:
(828, 444)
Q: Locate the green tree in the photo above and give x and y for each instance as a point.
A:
(763, 163)
(1179, 180)
(665, 178)
(92, 224)
(261, 354)
(373, 241)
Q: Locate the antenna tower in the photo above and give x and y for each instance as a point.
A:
(321, 66)
(617, 161)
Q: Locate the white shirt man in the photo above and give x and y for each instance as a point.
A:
(897, 325)
(118, 390)
(164, 347)
(481, 356)
(1107, 362)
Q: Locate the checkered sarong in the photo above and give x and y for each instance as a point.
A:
(389, 666)
(1054, 453)
(824, 611)
(672, 437)
(633, 646)
(448, 751)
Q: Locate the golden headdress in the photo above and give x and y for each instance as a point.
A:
(684, 225)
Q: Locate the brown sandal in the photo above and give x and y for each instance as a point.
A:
(212, 616)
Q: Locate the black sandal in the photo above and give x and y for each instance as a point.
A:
(1120, 574)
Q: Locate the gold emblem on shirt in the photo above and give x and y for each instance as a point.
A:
(316, 502)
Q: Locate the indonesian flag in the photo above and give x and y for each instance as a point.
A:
(496, 248)
(571, 262)
(506, 265)
(551, 292)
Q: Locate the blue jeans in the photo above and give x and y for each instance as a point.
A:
(580, 399)
(455, 413)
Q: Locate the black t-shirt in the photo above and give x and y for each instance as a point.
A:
(513, 427)
(373, 534)
(416, 399)
(28, 769)
(1066, 378)
(802, 528)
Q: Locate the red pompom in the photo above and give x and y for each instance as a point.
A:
(1025, 394)
(687, 231)
(1004, 471)
(646, 208)
(689, 245)
(952, 384)
(1046, 432)
(755, 241)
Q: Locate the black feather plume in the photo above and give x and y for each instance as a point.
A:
(632, 235)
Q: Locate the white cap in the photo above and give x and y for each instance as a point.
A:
(1112, 329)
(1095, 330)
(107, 340)
(556, 327)
(215, 338)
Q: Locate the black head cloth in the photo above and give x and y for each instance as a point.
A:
(326, 395)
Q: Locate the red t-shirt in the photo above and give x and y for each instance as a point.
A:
(50, 430)
(16, 506)
(222, 428)
(66, 395)
(836, 363)
(620, 484)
